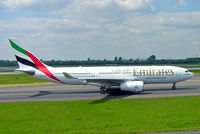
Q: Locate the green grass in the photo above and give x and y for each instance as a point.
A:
(101, 116)
(18, 79)
(195, 72)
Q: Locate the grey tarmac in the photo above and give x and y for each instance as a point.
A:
(58, 92)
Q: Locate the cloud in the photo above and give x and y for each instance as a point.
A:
(33, 5)
(134, 4)
(13, 4)
(102, 29)
(182, 2)
(97, 3)
(127, 4)
(55, 5)
(196, 43)
(137, 35)
(180, 20)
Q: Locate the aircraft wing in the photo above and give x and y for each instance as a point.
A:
(107, 82)
(99, 82)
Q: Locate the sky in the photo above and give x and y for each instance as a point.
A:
(99, 29)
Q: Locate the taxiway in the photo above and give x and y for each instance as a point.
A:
(57, 92)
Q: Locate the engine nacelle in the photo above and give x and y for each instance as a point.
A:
(134, 86)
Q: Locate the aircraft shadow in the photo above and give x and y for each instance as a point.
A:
(118, 95)
(115, 95)
(42, 93)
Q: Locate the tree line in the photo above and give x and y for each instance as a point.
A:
(116, 61)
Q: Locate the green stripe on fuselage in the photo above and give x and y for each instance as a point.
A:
(16, 47)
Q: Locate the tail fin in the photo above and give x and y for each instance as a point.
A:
(28, 61)
(25, 59)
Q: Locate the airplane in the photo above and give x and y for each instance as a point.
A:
(107, 78)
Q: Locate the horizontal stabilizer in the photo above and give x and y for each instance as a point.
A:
(29, 72)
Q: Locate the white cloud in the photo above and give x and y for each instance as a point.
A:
(134, 4)
(97, 3)
(163, 34)
(127, 4)
(13, 4)
(33, 5)
(182, 2)
(104, 29)
(196, 43)
(55, 5)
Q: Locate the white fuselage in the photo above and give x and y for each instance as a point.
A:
(99, 76)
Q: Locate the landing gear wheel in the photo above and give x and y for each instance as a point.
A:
(102, 90)
(174, 86)
(108, 91)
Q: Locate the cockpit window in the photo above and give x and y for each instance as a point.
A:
(186, 71)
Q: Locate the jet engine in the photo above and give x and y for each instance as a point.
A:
(134, 86)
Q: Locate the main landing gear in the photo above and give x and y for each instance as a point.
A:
(174, 86)
(104, 90)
